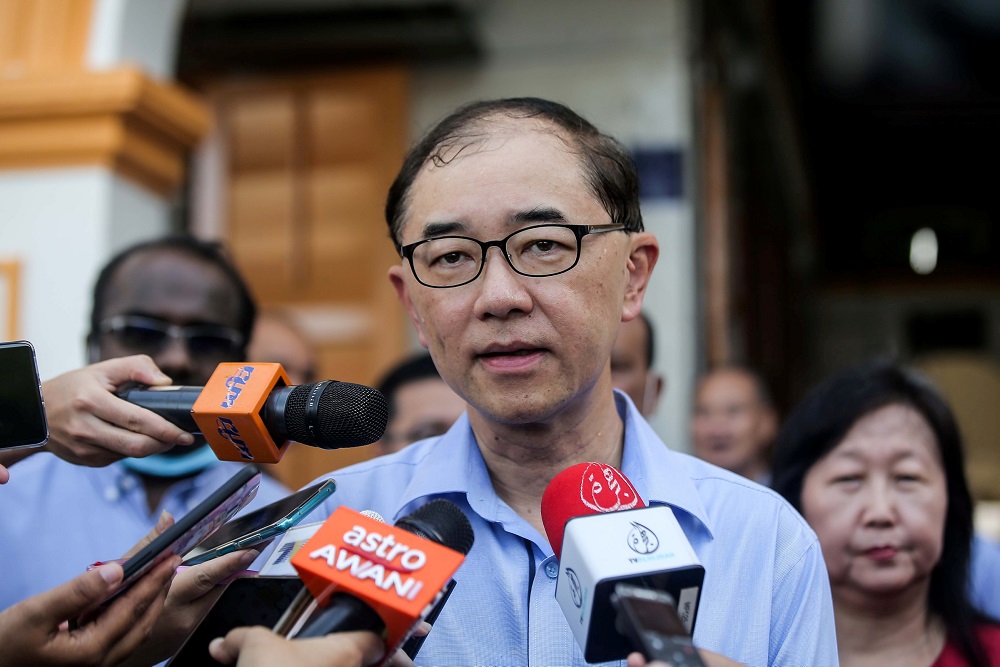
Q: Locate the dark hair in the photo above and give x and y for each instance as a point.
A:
(821, 421)
(210, 252)
(609, 167)
(412, 369)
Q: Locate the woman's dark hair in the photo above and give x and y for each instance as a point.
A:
(607, 164)
(821, 421)
(210, 252)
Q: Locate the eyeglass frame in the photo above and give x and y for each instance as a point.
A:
(171, 331)
(406, 251)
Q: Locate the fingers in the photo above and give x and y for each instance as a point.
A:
(91, 426)
(137, 368)
(130, 618)
(199, 580)
(226, 650)
(165, 521)
(74, 597)
(4, 475)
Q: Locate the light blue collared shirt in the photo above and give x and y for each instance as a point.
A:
(57, 518)
(766, 596)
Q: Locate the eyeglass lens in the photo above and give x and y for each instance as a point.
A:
(534, 251)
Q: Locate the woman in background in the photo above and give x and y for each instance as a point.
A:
(872, 458)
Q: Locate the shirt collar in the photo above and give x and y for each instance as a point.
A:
(454, 465)
(658, 474)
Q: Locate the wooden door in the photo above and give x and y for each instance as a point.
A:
(308, 162)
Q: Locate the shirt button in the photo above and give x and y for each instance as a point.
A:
(128, 483)
(111, 494)
(552, 569)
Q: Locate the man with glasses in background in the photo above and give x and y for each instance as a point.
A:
(181, 302)
(522, 252)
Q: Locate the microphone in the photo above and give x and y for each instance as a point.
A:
(385, 579)
(248, 412)
(604, 534)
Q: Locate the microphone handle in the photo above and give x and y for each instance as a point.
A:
(344, 613)
(172, 403)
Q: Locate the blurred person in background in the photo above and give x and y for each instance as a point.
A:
(181, 302)
(421, 405)
(275, 338)
(632, 364)
(734, 422)
(873, 459)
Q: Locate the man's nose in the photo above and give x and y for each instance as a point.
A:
(501, 289)
(175, 358)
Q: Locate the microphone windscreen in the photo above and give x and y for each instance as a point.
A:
(345, 415)
(441, 521)
(583, 489)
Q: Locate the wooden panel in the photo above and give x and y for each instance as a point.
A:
(310, 160)
(43, 35)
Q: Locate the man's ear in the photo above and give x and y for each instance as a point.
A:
(397, 276)
(644, 250)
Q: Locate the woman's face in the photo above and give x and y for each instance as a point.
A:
(877, 502)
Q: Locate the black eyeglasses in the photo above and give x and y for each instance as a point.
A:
(148, 335)
(537, 252)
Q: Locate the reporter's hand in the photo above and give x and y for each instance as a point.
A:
(192, 594)
(708, 657)
(4, 475)
(89, 425)
(250, 647)
(35, 631)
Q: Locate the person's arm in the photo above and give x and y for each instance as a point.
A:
(258, 646)
(90, 426)
(35, 631)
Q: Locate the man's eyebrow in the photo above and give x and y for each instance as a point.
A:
(538, 214)
(432, 229)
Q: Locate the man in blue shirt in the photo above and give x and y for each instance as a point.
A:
(181, 302)
(524, 334)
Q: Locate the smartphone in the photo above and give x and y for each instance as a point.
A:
(649, 619)
(261, 526)
(196, 525)
(22, 410)
(245, 602)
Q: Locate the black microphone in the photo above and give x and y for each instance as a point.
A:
(251, 418)
(439, 521)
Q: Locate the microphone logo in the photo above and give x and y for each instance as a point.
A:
(235, 384)
(575, 589)
(642, 540)
(605, 489)
(227, 429)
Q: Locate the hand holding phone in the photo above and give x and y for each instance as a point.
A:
(649, 618)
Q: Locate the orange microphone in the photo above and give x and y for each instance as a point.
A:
(367, 575)
(248, 412)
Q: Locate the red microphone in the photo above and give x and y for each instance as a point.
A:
(604, 535)
(583, 489)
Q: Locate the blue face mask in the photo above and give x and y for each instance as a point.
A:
(173, 465)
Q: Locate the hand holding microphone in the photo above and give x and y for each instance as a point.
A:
(90, 426)
(248, 413)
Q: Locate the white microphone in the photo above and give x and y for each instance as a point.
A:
(604, 535)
